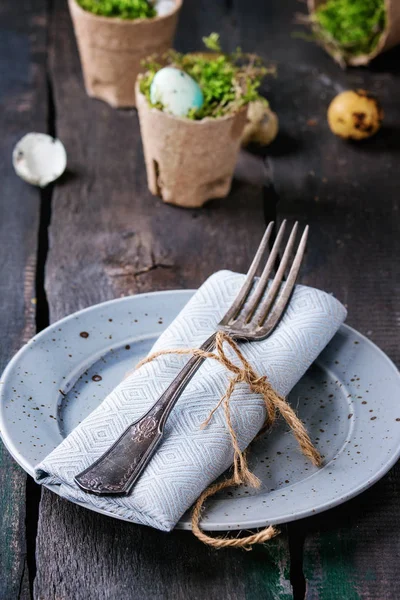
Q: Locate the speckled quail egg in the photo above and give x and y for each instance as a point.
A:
(164, 7)
(262, 124)
(355, 115)
(176, 91)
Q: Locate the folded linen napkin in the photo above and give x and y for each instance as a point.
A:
(190, 458)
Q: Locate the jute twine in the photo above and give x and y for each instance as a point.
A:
(274, 404)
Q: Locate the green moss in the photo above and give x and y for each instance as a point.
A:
(351, 27)
(124, 9)
(228, 81)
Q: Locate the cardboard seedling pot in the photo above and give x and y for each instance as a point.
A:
(189, 162)
(111, 50)
(390, 36)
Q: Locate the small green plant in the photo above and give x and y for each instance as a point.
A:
(349, 27)
(228, 81)
(124, 9)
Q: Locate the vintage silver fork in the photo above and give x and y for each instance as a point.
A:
(252, 317)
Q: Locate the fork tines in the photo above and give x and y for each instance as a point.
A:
(259, 306)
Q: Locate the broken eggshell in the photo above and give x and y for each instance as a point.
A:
(39, 158)
(176, 91)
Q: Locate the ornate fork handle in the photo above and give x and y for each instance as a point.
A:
(117, 470)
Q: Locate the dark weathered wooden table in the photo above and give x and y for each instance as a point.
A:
(99, 234)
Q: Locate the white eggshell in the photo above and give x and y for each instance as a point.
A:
(164, 7)
(39, 159)
(176, 90)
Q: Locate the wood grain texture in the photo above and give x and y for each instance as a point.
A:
(352, 207)
(23, 108)
(108, 238)
(348, 195)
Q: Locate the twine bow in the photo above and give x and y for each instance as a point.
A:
(274, 404)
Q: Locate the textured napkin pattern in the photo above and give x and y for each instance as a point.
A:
(190, 458)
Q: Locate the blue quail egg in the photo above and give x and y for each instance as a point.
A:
(176, 91)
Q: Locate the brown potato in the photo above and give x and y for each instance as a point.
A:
(355, 115)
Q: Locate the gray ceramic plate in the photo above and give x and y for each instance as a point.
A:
(349, 400)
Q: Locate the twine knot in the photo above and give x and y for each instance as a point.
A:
(274, 404)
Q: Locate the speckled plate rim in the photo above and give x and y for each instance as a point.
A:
(7, 441)
(209, 524)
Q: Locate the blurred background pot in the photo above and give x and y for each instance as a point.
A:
(111, 50)
(390, 36)
(189, 162)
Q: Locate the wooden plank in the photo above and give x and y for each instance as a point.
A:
(352, 206)
(109, 237)
(23, 108)
(348, 195)
(139, 249)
